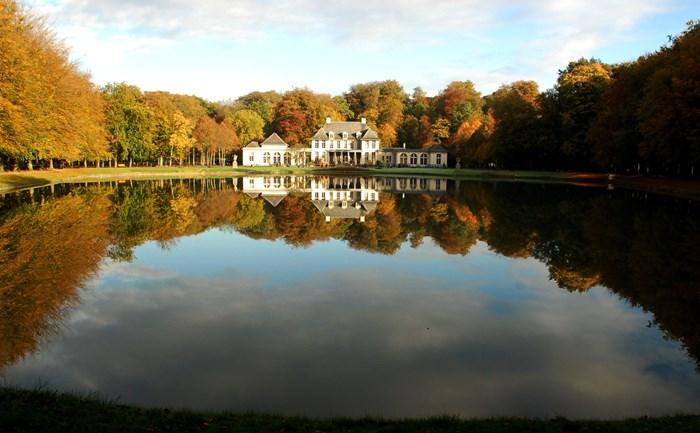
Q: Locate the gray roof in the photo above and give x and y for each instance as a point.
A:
(437, 148)
(253, 144)
(352, 128)
(274, 139)
(371, 135)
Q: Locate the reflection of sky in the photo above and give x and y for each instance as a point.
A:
(225, 322)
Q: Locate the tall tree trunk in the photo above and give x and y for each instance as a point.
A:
(131, 162)
(30, 165)
(50, 163)
(85, 163)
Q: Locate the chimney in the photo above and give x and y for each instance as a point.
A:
(328, 120)
(364, 121)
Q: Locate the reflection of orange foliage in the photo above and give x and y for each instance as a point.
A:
(573, 280)
(47, 253)
(215, 207)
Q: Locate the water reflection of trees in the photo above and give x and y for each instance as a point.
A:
(642, 247)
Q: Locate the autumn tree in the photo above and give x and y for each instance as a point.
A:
(181, 140)
(48, 108)
(515, 110)
(382, 103)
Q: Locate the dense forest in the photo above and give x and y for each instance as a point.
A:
(586, 237)
(637, 117)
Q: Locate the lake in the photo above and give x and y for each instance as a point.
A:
(354, 296)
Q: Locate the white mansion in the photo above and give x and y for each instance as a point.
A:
(341, 143)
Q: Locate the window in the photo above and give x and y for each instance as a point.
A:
(438, 159)
(266, 157)
(266, 182)
(413, 183)
(251, 158)
(316, 196)
(423, 184)
(278, 181)
(438, 184)
(287, 158)
(276, 158)
(423, 159)
(414, 159)
(331, 135)
(345, 135)
(251, 182)
(403, 159)
(315, 144)
(323, 144)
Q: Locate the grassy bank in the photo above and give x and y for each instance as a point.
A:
(44, 411)
(676, 187)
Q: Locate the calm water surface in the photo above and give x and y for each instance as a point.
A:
(355, 296)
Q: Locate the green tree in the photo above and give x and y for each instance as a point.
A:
(248, 125)
(130, 123)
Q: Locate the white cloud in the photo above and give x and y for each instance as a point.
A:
(537, 36)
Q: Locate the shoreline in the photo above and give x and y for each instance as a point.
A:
(69, 413)
(17, 181)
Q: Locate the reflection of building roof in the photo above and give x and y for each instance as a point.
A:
(253, 194)
(369, 206)
(274, 140)
(274, 200)
(354, 210)
(253, 144)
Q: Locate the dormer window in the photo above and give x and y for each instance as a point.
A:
(331, 135)
(345, 135)
(359, 134)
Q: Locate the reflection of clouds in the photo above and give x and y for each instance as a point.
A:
(365, 341)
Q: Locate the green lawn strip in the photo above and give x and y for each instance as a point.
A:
(50, 412)
(9, 182)
(679, 188)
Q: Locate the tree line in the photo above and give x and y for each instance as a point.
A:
(639, 117)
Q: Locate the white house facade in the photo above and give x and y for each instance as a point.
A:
(272, 152)
(341, 143)
(346, 143)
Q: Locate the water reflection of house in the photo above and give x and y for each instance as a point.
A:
(336, 196)
(344, 197)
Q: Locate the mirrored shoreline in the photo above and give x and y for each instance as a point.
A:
(353, 296)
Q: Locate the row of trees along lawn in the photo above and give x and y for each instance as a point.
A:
(637, 117)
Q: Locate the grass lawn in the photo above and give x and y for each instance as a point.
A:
(677, 187)
(49, 412)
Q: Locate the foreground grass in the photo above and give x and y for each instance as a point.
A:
(689, 189)
(49, 412)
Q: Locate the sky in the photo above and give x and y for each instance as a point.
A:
(222, 49)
